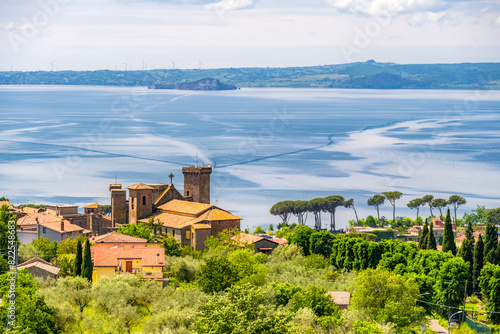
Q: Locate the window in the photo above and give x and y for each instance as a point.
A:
(44, 231)
(143, 200)
(132, 203)
(187, 193)
(188, 235)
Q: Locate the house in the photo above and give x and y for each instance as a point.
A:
(40, 268)
(146, 262)
(190, 218)
(367, 229)
(437, 228)
(261, 244)
(60, 230)
(342, 299)
(113, 239)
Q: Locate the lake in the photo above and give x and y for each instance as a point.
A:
(66, 144)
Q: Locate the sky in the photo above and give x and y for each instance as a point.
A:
(152, 34)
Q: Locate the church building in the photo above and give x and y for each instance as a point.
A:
(189, 217)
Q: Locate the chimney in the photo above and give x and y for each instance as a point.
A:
(37, 227)
(62, 225)
(157, 258)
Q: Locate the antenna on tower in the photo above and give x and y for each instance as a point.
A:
(196, 159)
(144, 65)
(115, 180)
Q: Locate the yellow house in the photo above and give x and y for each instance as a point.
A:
(148, 262)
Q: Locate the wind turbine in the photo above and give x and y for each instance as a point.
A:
(126, 66)
(116, 67)
(144, 65)
(173, 64)
(52, 66)
(200, 63)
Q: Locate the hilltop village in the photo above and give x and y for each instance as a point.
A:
(161, 261)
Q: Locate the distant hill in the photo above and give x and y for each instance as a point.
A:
(368, 74)
(202, 84)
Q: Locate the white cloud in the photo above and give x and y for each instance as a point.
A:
(419, 19)
(497, 22)
(229, 4)
(386, 7)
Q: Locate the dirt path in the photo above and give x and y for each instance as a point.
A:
(436, 327)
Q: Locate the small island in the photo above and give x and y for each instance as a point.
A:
(202, 84)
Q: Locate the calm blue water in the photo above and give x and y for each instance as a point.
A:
(66, 144)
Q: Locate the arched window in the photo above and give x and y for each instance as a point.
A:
(143, 200)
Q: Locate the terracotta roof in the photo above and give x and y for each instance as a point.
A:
(91, 206)
(185, 207)
(34, 259)
(340, 297)
(7, 202)
(117, 237)
(219, 214)
(280, 241)
(171, 220)
(68, 227)
(201, 226)
(45, 266)
(43, 218)
(246, 239)
(170, 188)
(109, 257)
(139, 186)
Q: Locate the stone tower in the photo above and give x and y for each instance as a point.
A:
(140, 203)
(119, 208)
(197, 184)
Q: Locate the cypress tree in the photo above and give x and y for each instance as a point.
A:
(422, 241)
(448, 237)
(478, 261)
(467, 249)
(490, 242)
(78, 259)
(87, 266)
(431, 240)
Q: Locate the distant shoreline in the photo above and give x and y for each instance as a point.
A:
(366, 75)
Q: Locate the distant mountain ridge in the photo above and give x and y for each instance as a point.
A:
(360, 75)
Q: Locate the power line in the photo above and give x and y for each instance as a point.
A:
(456, 308)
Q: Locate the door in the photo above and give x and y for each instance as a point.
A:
(128, 266)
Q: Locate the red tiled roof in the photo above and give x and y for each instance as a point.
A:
(171, 220)
(45, 266)
(139, 186)
(246, 239)
(117, 237)
(43, 217)
(68, 227)
(185, 207)
(201, 226)
(109, 257)
(34, 259)
(280, 241)
(219, 214)
(340, 297)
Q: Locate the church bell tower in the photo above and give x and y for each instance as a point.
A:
(197, 184)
